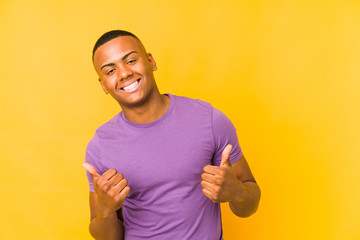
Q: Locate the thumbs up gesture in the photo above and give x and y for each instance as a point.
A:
(220, 183)
(111, 189)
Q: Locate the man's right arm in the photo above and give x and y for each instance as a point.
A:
(110, 192)
(104, 226)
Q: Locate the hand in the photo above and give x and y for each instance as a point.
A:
(220, 184)
(111, 189)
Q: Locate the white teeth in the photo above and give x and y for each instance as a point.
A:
(131, 86)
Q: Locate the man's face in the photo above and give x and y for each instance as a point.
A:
(125, 71)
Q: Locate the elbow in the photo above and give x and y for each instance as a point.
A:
(249, 206)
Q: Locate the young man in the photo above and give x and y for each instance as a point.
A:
(160, 168)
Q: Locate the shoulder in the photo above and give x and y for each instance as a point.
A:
(104, 131)
(220, 119)
(107, 127)
(191, 104)
(197, 106)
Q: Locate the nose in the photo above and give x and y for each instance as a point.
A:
(124, 71)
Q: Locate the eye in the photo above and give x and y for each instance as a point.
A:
(110, 71)
(131, 61)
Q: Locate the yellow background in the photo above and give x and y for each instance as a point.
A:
(286, 73)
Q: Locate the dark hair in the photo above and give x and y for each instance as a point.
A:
(106, 37)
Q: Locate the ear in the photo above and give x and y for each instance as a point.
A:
(103, 86)
(152, 62)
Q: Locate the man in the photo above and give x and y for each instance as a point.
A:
(160, 168)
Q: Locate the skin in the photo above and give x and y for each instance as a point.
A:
(110, 192)
(119, 63)
(233, 183)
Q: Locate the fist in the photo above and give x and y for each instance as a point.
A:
(111, 188)
(220, 183)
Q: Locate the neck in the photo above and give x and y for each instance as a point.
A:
(150, 111)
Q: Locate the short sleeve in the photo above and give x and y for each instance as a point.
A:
(93, 157)
(224, 133)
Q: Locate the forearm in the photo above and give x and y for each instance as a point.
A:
(247, 203)
(107, 227)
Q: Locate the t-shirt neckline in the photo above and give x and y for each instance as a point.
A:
(153, 123)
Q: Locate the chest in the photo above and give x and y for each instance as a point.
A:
(167, 158)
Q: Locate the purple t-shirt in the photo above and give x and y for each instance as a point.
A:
(163, 162)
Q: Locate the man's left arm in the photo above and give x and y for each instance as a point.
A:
(233, 183)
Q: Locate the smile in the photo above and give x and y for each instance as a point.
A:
(132, 87)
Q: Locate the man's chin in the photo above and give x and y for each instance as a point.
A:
(132, 102)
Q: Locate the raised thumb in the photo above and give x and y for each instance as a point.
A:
(91, 169)
(225, 156)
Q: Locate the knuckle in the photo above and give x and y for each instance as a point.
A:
(219, 181)
(106, 187)
(100, 184)
(118, 198)
(215, 197)
(125, 182)
(111, 194)
(102, 181)
(96, 184)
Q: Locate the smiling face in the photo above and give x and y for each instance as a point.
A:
(126, 71)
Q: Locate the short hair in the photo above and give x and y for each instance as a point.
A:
(108, 36)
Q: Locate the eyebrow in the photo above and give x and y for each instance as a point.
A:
(123, 58)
